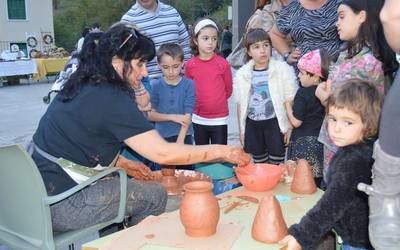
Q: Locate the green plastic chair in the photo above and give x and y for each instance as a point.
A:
(25, 219)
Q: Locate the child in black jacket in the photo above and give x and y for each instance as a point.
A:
(353, 114)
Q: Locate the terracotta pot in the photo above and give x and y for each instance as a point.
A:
(303, 180)
(167, 170)
(269, 225)
(199, 211)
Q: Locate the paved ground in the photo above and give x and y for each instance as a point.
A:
(21, 107)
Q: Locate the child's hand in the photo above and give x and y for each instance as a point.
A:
(290, 242)
(286, 137)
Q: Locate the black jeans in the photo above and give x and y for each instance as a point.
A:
(205, 134)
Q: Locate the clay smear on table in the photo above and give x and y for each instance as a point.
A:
(303, 180)
(199, 211)
(248, 198)
(269, 225)
(182, 177)
(150, 236)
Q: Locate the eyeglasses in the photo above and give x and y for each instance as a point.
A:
(132, 34)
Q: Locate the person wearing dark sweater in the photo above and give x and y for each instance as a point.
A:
(353, 112)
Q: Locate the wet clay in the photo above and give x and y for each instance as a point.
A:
(199, 211)
(248, 198)
(169, 180)
(303, 180)
(232, 206)
(182, 177)
(150, 236)
(269, 225)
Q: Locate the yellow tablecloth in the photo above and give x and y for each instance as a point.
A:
(49, 65)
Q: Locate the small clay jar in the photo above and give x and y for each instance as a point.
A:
(269, 225)
(168, 170)
(199, 211)
(303, 180)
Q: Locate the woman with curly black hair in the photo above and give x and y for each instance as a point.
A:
(88, 120)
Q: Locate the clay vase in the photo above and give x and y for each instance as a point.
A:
(303, 180)
(199, 211)
(169, 180)
(269, 225)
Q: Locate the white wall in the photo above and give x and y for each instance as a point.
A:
(39, 14)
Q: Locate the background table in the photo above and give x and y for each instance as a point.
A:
(292, 210)
(18, 67)
(49, 65)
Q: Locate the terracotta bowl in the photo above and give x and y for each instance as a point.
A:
(259, 177)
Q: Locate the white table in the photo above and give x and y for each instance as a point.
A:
(19, 67)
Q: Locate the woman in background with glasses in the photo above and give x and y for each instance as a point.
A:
(90, 118)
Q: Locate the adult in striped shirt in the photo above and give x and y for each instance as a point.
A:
(160, 22)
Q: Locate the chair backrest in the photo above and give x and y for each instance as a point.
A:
(25, 220)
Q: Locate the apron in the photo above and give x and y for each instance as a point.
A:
(77, 172)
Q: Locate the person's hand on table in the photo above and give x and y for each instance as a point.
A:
(135, 169)
(290, 242)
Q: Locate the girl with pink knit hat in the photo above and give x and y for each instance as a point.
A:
(306, 112)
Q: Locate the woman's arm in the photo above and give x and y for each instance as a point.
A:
(153, 147)
(279, 41)
(142, 98)
(390, 17)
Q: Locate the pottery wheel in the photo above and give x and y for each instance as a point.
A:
(182, 177)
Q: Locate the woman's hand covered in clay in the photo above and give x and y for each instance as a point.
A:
(135, 169)
(290, 242)
(236, 155)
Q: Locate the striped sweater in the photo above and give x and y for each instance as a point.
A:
(165, 25)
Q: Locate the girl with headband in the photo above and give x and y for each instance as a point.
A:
(213, 84)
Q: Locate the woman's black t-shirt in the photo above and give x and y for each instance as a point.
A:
(87, 130)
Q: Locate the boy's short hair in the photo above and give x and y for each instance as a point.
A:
(362, 98)
(171, 49)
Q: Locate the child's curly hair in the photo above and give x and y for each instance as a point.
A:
(362, 98)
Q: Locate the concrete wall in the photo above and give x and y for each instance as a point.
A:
(39, 20)
(241, 11)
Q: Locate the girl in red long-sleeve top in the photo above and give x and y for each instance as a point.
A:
(213, 84)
